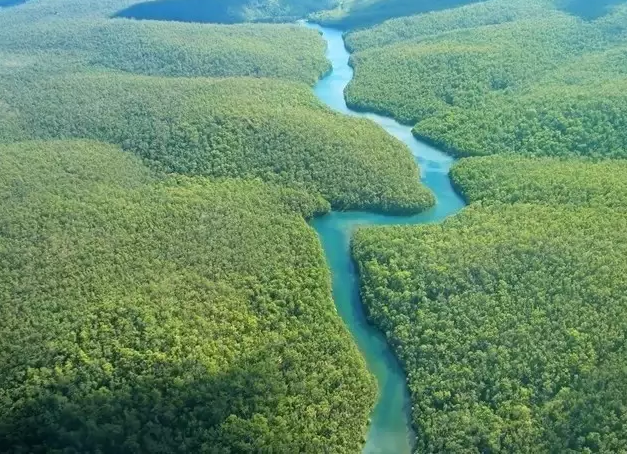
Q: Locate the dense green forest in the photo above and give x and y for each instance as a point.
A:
(510, 323)
(60, 79)
(360, 14)
(509, 318)
(176, 315)
(277, 51)
(160, 289)
(546, 181)
(423, 26)
(498, 77)
(239, 127)
(170, 49)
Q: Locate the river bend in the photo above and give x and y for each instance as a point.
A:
(390, 430)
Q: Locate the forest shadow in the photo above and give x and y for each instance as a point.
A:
(170, 408)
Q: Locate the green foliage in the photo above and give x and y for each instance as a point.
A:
(509, 318)
(534, 83)
(175, 49)
(510, 322)
(57, 83)
(238, 127)
(463, 68)
(553, 121)
(185, 315)
(425, 25)
(175, 307)
(546, 181)
(34, 10)
(84, 31)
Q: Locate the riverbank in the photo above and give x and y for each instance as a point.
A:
(390, 428)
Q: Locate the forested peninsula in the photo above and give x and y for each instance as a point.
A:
(499, 76)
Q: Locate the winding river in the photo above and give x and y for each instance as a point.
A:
(390, 429)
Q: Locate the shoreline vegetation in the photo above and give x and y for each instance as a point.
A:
(506, 316)
(203, 303)
(499, 76)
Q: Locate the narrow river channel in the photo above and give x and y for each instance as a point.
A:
(390, 428)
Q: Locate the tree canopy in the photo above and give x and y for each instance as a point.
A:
(499, 77)
(238, 127)
(147, 315)
(545, 181)
(350, 14)
(509, 320)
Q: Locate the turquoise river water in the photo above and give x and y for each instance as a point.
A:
(390, 430)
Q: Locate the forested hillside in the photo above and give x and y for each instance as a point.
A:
(500, 76)
(238, 127)
(181, 315)
(177, 49)
(56, 84)
(351, 14)
(509, 318)
(546, 181)
(161, 290)
(510, 322)
(426, 25)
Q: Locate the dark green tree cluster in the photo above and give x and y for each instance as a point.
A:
(177, 315)
(510, 318)
(175, 49)
(553, 120)
(488, 78)
(415, 78)
(240, 127)
(546, 181)
(160, 290)
(37, 10)
(510, 322)
(426, 25)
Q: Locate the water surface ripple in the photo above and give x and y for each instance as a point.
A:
(390, 430)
